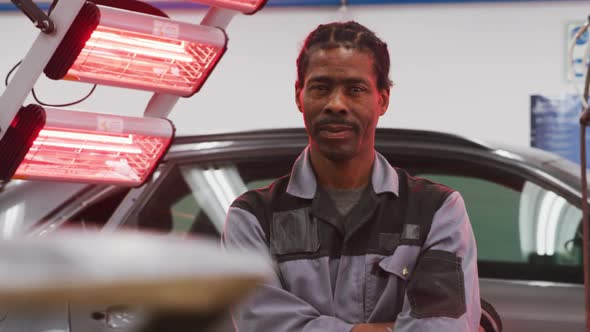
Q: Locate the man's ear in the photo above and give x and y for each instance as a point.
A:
(383, 101)
(297, 94)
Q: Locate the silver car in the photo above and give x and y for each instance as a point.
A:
(524, 205)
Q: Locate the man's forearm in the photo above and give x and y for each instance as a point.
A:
(373, 327)
(382, 327)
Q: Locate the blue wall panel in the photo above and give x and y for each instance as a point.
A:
(8, 6)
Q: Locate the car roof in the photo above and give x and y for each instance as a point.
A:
(383, 137)
(294, 139)
(552, 164)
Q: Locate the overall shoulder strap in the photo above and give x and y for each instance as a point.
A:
(263, 203)
(421, 199)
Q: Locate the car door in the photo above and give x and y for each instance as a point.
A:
(527, 231)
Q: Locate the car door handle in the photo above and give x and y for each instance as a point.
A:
(119, 316)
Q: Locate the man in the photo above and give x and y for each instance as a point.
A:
(360, 246)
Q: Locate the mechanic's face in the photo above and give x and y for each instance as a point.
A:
(341, 103)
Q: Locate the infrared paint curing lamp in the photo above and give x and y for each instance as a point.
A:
(129, 44)
(74, 146)
(117, 47)
(247, 7)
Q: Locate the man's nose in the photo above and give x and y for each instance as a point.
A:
(337, 102)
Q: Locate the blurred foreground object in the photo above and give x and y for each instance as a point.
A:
(179, 284)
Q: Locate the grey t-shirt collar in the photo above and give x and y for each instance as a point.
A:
(303, 182)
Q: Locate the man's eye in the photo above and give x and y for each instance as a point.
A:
(356, 89)
(319, 87)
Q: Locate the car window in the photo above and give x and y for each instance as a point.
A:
(492, 208)
(194, 199)
(522, 232)
(533, 224)
(97, 209)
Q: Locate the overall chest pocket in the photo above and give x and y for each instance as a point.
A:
(294, 232)
(386, 278)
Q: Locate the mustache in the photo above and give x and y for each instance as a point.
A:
(335, 121)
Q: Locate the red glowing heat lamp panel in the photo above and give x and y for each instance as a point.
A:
(94, 148)
(245, 6)
(140, 51)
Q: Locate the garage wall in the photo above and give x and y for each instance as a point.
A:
(464, 68)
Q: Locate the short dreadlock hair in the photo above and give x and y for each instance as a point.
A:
(348, 35)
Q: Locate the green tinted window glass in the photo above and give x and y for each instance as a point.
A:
(493, 210)
(533, 225)
(184, 213)
(261, 183)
